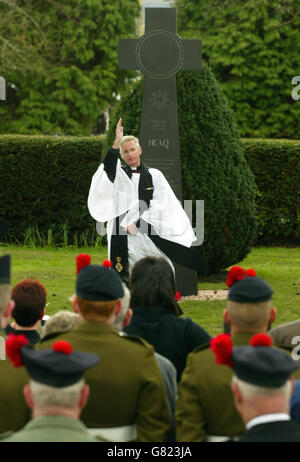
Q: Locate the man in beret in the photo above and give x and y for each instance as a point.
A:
(127, 392)
(262, 388)
(205, 406)
(14, 412)
(56, 394)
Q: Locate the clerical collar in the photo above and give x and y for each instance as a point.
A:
(136, 169)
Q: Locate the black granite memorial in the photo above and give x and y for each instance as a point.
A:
(160, 54)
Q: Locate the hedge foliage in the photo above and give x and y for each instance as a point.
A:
(60, 62)
(45, 183)
(253, 47)
(276, 166)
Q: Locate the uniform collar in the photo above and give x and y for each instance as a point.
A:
(266, 418)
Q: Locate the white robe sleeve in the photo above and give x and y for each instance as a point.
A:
(108, 200)
(166, 214)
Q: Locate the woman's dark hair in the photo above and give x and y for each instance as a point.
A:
(30, 300)
(152, 283)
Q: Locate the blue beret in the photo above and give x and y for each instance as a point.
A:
(250, 290)
(57, 369)
(263, 366)
(97, 283)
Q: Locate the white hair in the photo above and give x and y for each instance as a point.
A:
(249, 390)
(47, 395)
(127, 138)
(118, 324)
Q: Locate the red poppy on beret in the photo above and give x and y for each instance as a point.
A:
(82, 260)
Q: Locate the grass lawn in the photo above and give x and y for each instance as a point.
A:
(55, 268)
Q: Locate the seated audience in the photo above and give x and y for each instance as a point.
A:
(30, 301)
(56, 394)
(155, 313)
(62, 321)
(127, 389)
(284, 334)
(14, 412)
(205, 408)
(262, 389)
(167, 369)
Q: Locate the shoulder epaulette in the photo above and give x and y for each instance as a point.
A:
(203, 346)
(137, 339)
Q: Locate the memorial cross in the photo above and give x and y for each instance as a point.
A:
(160, 54)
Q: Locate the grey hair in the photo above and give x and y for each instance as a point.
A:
(118, 324)
(249, 390)
(46, 395)
(127, 138)
(61, 321)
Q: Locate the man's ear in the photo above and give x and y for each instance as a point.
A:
(118, 308)
(127, 317)
(84, 396)
(236, 393)
(75, 306)
(9, 309)
(43, 313)
(226, 316)
(273, 313)
(28, 396)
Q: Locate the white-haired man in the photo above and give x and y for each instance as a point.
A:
(262, 388)
(143, 215)
(56, 393)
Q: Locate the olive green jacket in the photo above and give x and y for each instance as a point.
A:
(205, 405)
(52, 429)
(14, 412)
(126, 386)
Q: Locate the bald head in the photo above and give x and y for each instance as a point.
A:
(250, 316)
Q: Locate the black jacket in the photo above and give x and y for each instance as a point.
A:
(280, 431)
(170, 336)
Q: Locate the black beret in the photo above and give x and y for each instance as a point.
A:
(57, 368)
(250, 290)
(5, 269)
(263, 366)
(98, 283)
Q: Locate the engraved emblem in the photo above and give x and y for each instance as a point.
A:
(118, 265)
(159, 99)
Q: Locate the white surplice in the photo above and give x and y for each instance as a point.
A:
(108, 200)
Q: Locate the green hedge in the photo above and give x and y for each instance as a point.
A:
(44, 186)
(45, 183)
(276, 167)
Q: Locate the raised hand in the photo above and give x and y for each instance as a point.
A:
(119, 134)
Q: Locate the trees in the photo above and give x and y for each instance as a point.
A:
(72, 73)
(213, 165)
(253, 47)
